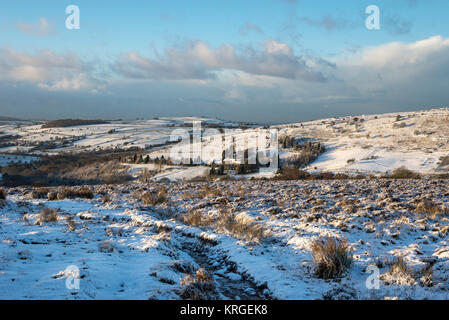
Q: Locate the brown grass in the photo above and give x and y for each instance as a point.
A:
(430, 208)
(48, 215)
(71, 223)
(197, 219)
(239, 226)
(200, 287)
(154, 197)
(332, 257)
(404, 173)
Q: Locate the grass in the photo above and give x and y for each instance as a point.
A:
(331, 257)
(81, 192)
(71, 223)
(198, 287)
(404, 173)
(399, 273)
(48, 215)
(430, 208)
(197, 219)
(154, 197)
(242, 227)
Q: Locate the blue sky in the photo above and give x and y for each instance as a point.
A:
(265, 60)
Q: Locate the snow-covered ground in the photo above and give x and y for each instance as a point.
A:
(125, 249)
(378, 143)
(373, 144)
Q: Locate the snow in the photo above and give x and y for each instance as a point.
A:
(125, 250)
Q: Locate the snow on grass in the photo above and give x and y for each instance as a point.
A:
(126, 249)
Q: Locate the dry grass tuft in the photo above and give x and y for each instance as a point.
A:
(209, 191)
(197, 219)
(200, 287)
(332, 257)
(404, 173)
(430, 208)
(426, 276)
(81, 192)
(71, 223)
(48, 215)
(399, 273)
(154, 197)
(240, 226)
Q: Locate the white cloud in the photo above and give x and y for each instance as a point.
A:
(47, 69)
(196, 60)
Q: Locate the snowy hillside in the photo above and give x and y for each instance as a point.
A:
(374, 144)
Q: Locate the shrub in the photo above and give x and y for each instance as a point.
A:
(200, 287)
(70, 193)
(48, 215)
(404, 173)
(39, 193)
(331, 257)
(290, 173)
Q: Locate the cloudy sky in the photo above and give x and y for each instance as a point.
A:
(254, 60)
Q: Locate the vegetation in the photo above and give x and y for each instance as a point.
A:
(62, 123)
(79, 169)
(331, 257)
(152, 198)
(48, 215)
(200, 287)
(404, 173)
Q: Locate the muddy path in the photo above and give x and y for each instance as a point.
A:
(230, 283)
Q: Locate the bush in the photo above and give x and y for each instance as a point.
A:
(39, 193)
(331, 257)
(404, 173)
(70, 193)
(290, 173)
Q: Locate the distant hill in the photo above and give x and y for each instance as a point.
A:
(71, 123)
(9, 119)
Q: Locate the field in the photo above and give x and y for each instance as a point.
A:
(250, 240)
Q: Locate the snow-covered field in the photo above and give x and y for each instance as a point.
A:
(125, 249)
(379, 143)
(367, 144)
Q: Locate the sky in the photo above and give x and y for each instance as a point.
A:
(266, 61)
